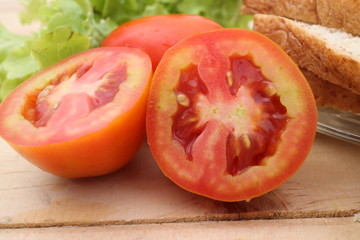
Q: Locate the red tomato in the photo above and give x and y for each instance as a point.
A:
(155, 34)
(84, 116)
(230, 116)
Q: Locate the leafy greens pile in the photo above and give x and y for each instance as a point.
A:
(71, 26)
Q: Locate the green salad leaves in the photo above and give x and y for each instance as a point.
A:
(70, 26)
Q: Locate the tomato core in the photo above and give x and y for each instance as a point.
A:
(84, 85)
(254, 116)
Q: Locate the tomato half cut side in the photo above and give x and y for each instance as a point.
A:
(82, 117)
(155, 34)
(230, 116)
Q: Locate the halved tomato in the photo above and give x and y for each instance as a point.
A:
(155, 34)
(230, 116)
(82, 117)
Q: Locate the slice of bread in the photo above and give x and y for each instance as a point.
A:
(302, 10)
(339, 14)
(331, 95)
(327, 53)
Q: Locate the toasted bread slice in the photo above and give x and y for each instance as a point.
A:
(331, 95)
(330, 54)
(305, 10)
(339, 14)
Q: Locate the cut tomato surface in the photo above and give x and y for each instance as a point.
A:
(230, 116)
(155, 34)
(84, 116)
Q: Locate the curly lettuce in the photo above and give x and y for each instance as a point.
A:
(71, 26)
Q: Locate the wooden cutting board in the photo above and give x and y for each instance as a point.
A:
(327, 185)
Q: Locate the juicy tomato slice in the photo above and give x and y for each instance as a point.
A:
(84, 116)
(230, 116)
(155, 34)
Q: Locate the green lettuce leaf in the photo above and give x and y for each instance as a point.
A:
(16, 63)
(226, 13)
(57, 45)
(67, 27)
(70, 26)
(78, 15)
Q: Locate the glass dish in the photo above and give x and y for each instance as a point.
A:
(339, 124)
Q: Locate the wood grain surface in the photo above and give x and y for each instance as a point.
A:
(139, 202)
(327, 185)
(294, 229)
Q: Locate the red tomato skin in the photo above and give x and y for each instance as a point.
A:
(93, 154)
(210, 180)
(155, 34)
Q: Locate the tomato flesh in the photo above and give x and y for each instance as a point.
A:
(82, 117)
(186, 128)
(53, 100)
(244, 149)
(230, 116)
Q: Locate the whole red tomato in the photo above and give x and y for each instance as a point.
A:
(84, 116)
(155, 34)
(230, 116)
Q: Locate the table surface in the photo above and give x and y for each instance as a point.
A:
(321, 201)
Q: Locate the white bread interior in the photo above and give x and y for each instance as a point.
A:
(329, 54)
(339, 14)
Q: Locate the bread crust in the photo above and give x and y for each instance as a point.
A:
(309, 52)
(340, 14)
(305, 10)
(331, 95)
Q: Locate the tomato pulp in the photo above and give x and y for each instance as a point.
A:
(155, 34)
(82, 117)
(230, 116)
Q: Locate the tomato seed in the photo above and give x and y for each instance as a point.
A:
(183, 99)
(229, 78)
